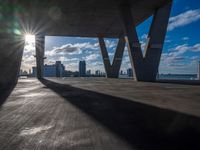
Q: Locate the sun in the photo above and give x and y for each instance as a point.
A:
(29, 38)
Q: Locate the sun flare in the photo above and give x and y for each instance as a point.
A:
(30, 38)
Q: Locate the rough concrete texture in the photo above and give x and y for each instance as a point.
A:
(86, 18)
(11, 50)
(112, 68)
(99, 114)
(145, 66)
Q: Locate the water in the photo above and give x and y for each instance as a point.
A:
(170, 76)
(178, 76)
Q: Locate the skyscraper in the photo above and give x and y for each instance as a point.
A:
(29, 72)
(59, 69)
(130, 72)
(50, 70)
(34, 71)
(97, 72)
(88, 72)
(82, 68)
(53, 70)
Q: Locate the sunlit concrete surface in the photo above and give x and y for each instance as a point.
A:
(99, 114)
(182, 98)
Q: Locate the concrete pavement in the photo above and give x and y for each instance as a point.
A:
(100, 114)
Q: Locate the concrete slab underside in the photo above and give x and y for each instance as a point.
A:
(90, 18)
(99, 113)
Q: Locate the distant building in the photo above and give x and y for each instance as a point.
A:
(130, 72)
(23, 73)
(50, 70)
(82, 68)
(20, 72)
(54, 70)
(88, 72)
(34, 71)
(59, 69)
(97, 72)
(68, 73)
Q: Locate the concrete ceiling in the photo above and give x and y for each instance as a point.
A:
(82, 18)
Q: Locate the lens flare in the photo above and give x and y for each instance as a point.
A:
(29, 38)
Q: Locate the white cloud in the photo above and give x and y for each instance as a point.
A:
(176, 54)
(195, 48)
(186, 47)
(168, 41)
(72, 48)
(28, 59)
(67, 48)
(62, 58)
(185, 38)
(29, 47)
(183, 19)
(49, 53)
(111, 43)
(91, 57)
(175, 61)
(144, 36)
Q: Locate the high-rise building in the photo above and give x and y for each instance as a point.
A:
(82, 68)
(29, 72)
(34, 71)
(97, 72)
(59, 69)
(50, 70)
(88, 72)
(54, 70)
(130, 72)
(23, 73)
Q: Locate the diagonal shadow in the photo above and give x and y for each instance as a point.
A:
(5, 92)
(145, 127)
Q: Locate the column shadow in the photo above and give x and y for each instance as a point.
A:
(143, 126)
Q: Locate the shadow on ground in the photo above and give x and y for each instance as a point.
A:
(145, 127)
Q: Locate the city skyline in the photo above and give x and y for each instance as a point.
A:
(181, 50)
(57, 69)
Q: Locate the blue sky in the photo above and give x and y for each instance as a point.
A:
(180, 53)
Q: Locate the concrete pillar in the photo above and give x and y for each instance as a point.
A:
(146, 67)
(39, 44)
(11, 46)
(11, 50)
(112, 70)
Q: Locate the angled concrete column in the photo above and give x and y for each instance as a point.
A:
(112, 70)
(39, 44)
(11, 50)
(146, 67)
(11, 46)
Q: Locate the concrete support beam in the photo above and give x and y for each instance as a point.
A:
(146, 67)
(11, 47)
(11, 50)
(39, 44)
(112, 70)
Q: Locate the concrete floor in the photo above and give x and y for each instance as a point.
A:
(99, 114)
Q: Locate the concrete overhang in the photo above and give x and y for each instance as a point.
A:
(82, 18)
